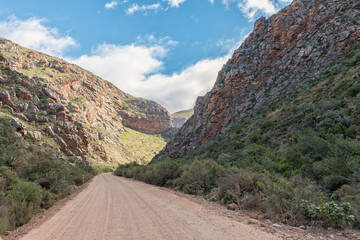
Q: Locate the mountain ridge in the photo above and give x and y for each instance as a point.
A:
(282, 52)
(85, 114)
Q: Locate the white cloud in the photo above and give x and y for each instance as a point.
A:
(251, 7)
(136, 8)
(32, 33)
(226, 3)
(175, 3)
(135, 69)
(150, 39)
(211, 1)
(111, 4)
(180, 90)
(125, 65)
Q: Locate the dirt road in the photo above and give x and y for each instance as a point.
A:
(118, 208)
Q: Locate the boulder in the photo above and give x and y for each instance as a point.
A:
(36, 135)
(232, 206)
(9, 108)
(23, 94)
(22, 116)
(6, 98)
(32, 109)
(67, 128)
(19, 126)
(61, 116)
(43, 63)
(24, 107)
(49, 131)
(31, 117)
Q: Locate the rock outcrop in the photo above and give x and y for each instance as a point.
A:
(283, 51)
(145, 115)
(70, 105)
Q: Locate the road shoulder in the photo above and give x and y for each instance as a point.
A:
(44, 215)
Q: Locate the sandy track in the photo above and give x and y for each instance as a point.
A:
(118, 208)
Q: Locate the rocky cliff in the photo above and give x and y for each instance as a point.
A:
(83, 113)
(283, 51)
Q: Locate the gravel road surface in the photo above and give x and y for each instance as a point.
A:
(117, 208)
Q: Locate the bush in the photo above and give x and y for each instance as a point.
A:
(4, 217)
(25, 200)
(240, 187)
(354, 90)
(200, 177)
(305, 108)
(281, 198)
(7, 160)
(312, 145)
(351, 194)
(336, 215)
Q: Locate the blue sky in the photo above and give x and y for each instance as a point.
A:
(166, 50)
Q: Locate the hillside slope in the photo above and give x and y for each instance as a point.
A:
(179, 118)
(278, 134)
(283, 51)
(297, 160)
(83, 113)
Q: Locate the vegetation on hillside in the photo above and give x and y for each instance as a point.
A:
(183, 114)
(140, 147)
(296, 160)
(32, 176)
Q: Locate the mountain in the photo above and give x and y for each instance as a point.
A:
(279, 132)
(85, 115)
(179, 118)
(283, 52)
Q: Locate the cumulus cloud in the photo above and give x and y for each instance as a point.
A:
(175, 3)
(111, 4)
(251, 7)
(180, 90)
(124, 65)
(254, 8)
(135, 69)
(136, 8)
(32, 33)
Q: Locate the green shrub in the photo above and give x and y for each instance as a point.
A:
(240, 187)
(199, 177)
(281, 199)
(354, 90)
(336, 215)
(4, 216)
(312, 145)
(25, 200)
(351, 194)
(7, 160)
(305, 107)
